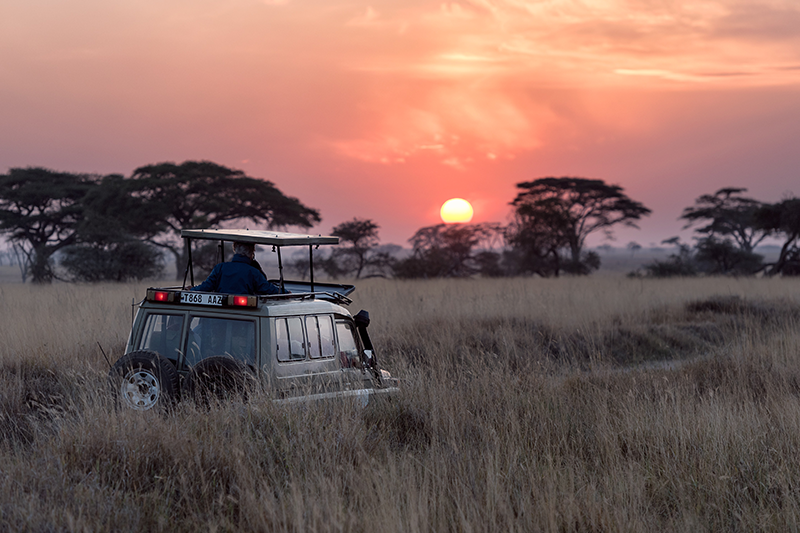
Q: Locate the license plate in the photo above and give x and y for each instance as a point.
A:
(201, 298)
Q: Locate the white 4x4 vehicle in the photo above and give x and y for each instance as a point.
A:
(299, 346)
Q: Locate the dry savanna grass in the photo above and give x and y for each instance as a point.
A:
(589, 404)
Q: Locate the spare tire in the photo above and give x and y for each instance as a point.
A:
(221, 377)
(143, 380)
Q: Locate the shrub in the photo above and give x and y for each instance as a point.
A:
(119, 261)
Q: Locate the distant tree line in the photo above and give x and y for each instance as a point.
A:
(551, 220)
(116, 227)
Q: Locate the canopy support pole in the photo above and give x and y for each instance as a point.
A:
(280, 268)
(189, 266)
(311, 265)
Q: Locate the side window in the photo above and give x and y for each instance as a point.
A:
(312, 328)
(348, 345)
(297, 347)
(327, 340)
(162, 334)
(320, 336)
(220, 336)
(282, 339)
(290, 341)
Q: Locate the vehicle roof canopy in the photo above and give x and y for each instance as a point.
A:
(272, 238)
(277, 239)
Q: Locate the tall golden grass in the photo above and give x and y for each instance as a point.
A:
(576, 404)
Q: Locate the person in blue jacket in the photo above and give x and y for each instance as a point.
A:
(241, 275)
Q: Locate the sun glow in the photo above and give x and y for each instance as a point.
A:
(456, 210)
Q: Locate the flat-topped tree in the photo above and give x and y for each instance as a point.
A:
(41, 211)
(573, 208)
(204, 194)
(727, 214)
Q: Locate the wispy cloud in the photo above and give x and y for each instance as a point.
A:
(487, 54)
(457, 81)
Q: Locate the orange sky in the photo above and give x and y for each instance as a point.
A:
(386, 109)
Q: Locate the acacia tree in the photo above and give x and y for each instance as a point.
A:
(358, 238)
(559, 213)
(41, 211)
(198, 194)
(727, 214)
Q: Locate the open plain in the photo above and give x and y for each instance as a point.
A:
(572, 404)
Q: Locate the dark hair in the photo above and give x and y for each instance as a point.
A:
(244, 248)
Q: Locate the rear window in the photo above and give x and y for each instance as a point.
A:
(221, 336)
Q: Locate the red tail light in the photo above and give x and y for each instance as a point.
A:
(243, 301)
(156, 295)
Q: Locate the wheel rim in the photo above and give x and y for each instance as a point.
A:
(140, 389)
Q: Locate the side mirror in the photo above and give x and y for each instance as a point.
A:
(362, 319)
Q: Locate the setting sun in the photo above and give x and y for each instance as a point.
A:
(456, 210)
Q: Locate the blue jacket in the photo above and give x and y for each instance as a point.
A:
(237, 277)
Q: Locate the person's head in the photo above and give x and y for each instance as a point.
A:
(246, 249)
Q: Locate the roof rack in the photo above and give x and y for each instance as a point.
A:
(276, 239)
(335, 297)
(173, 295)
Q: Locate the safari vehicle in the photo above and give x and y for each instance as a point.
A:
(300, 346)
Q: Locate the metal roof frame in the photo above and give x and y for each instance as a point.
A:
(270, 238)
(276, 239)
